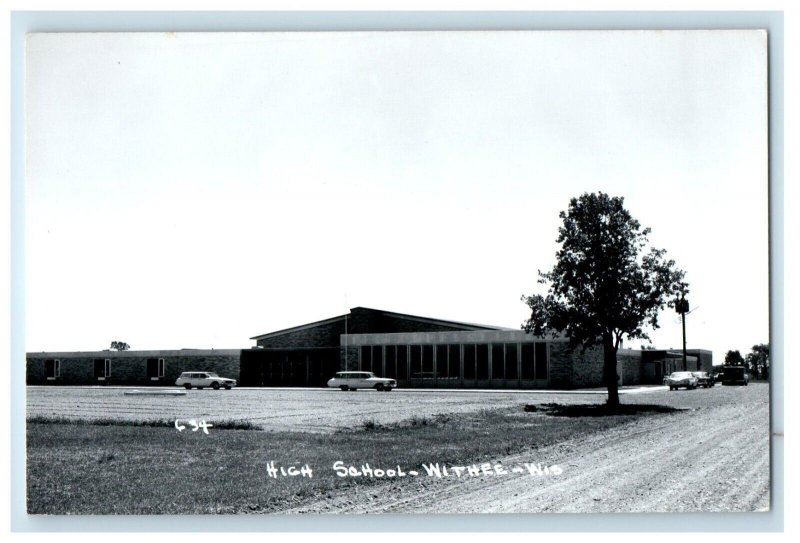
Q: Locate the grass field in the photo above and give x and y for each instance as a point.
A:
(122, 468)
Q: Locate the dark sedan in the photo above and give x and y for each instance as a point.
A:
(705, 380)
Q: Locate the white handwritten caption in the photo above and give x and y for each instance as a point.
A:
(202, 425)
(428, 470)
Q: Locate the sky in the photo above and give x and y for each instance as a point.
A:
(195, 190)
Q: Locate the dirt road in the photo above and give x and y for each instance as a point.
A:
(707, 459)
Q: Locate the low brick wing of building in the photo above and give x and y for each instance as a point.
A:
(137, 368)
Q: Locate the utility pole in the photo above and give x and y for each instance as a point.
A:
(682, 307)
(683, 323)
(347, 313)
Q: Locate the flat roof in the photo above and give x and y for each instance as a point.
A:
(133, 354)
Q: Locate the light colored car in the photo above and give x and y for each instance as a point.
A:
(680, 379)
(353, 380)
(202, 379)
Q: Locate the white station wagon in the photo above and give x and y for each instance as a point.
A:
(353, 380)
(201, 379)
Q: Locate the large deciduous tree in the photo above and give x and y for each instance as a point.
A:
(607, 282)
(757, 361)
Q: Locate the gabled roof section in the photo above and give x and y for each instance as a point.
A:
(458, 324)
(301, 327)
(381, 313)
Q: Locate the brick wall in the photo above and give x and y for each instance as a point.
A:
(629, 367)
(323, 335)
(128, 368)
(376, 323)
(587, 368)
(560, 370)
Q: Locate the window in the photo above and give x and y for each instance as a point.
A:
(297, 367)
(541, 361)
(416, 361)
(497, 361)
(102, 368)
(469, 362)
(454, 361)
(527, 361)
(365, 360)
(534, 361)
(441, 361)
(483, 361)
(371, 358)
(390, 362)
(155, 368)
(427, 361)
(511, 360)
(377, 360)
(402, 362)
(52, 368)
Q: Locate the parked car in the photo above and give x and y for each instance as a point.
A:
(680, 379)
(735, 375)
(705, 380)
(353, 380)
(201, 379)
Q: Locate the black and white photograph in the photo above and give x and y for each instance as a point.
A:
(407, 272)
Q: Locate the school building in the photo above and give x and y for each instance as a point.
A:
(419, 352)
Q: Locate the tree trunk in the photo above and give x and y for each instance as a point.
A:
(610, 370)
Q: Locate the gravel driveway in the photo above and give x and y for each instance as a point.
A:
(713, 458)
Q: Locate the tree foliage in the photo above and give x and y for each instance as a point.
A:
(607, 283)
(734, 358)
(119, 346)
(757, 361)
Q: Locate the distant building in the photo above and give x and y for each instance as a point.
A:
(419, 352)
(658, 364)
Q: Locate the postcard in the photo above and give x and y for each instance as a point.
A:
(397, 272)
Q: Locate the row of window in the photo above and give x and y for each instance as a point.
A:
(501, 361)
(102, 368)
